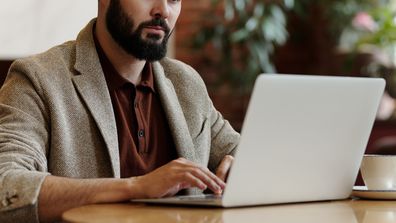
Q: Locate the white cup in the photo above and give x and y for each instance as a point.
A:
(379, 172)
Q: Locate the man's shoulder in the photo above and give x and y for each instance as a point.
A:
(175, 65)
(62, 55)
(180, 72)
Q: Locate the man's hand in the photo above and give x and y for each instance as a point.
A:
(177, 175)
(224, 167)
(59, 194)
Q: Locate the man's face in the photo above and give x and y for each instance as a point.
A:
(142, 27)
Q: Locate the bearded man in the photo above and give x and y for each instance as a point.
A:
(108, 118)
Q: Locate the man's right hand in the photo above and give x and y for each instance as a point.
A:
(59, 194)
(177, 175)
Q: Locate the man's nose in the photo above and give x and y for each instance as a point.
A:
(160, 9)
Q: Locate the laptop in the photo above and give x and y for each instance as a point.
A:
(303, 139)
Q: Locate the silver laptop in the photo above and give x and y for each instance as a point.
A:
(303, 139)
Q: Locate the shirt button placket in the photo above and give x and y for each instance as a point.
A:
(141, 140)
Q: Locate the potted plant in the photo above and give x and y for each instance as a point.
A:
(240, 36)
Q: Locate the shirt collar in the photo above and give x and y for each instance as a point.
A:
(115, 80)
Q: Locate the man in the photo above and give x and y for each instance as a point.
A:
(107, 118)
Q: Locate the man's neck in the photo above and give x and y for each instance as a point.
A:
(126, 65)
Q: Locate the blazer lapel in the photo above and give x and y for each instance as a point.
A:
(174, 114)
(91, 84)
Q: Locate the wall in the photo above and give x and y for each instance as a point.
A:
(32, 26)
(187, 26)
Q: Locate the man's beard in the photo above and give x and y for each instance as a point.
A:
(121, 27)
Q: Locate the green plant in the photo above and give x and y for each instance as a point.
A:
(242, 35)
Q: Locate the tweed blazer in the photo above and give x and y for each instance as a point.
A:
(56, 118)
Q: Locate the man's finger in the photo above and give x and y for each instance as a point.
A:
(207, 172)
(194, 181)
(213, 183)
(214, 177)
(224, 167)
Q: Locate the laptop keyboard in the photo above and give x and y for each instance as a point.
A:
(203, 197)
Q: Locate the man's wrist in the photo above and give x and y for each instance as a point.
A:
(117, 190)
(134, 188)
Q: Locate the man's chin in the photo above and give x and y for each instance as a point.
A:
(154, 40)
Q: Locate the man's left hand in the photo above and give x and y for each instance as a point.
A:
(224, 167)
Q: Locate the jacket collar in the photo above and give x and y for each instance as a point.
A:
(174, 113)
(91, 84)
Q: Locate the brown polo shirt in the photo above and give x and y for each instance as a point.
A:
(144, 138)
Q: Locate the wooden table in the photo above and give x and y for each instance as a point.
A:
(347, 211)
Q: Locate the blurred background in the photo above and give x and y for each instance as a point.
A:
(230, 42)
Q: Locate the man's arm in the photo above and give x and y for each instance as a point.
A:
(224, 140)
(59, 194)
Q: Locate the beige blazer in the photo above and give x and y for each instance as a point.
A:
(56, 117)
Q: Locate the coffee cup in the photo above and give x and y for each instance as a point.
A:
(379, 172)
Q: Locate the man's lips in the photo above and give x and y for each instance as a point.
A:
(155, 28)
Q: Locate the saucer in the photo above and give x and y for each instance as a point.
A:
(363, 192)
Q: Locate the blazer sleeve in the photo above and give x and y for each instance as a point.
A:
(23, 145)
(224, 139)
